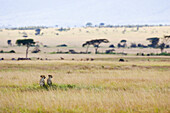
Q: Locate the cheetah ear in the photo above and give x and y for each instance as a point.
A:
(43, 76)
(50, 76)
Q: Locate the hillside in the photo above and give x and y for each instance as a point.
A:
(75, 37)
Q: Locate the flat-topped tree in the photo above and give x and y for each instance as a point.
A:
(101, 24)
(154, 42)
(123, 43)
(25, 42)
(95, 43)
(89, 24)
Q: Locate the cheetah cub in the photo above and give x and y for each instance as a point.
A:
(49, 81)
(42, 82)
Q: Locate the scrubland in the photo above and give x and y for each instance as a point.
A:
(102, 85)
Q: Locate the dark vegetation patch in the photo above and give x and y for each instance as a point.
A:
(11, 51)
(132, 87)
(62, 45)
(36, 87)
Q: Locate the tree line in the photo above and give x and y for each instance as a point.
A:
(90, 24)
(154, 42)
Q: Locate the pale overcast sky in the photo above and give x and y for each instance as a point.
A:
(79, 12)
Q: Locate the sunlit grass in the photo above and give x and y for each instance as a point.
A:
(98, 86)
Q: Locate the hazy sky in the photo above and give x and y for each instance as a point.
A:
(79, 12)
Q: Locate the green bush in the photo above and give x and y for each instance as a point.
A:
(164, 54)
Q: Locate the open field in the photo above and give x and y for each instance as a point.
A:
(103, 85)
(75, 37)
(96, 56)
(140, 84)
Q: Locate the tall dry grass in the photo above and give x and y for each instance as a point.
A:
(98, 86)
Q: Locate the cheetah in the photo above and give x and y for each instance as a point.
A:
(42, 82)
(49, 81)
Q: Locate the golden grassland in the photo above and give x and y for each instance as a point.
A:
(104, 85)
(77, 36)
(86, 86)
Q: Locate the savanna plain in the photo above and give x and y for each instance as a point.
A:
(86, 86)
(141, 84)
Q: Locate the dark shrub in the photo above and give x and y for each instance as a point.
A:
(1, 51)
(45, 46)
(37, 31)
(133, 45)
(112, 46)
(167, 46)
(62, 45)
(13, 59)
(12, 51)
(109, 51)
(2, 59)
(121, 60)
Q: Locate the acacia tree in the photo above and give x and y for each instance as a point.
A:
(25, 42)
(95, 43)
(101, 24)
(154, 42)
(87, 44)
(88, 24)
(37, 31)
(122, 43)
(165, 41)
